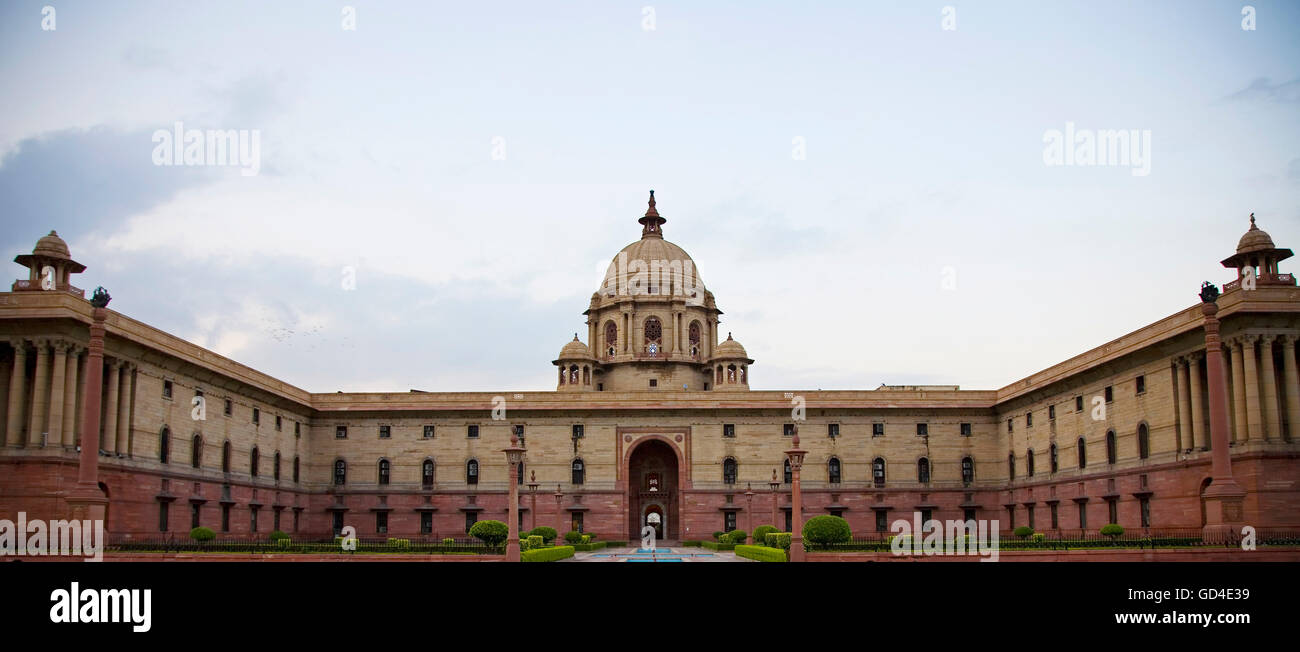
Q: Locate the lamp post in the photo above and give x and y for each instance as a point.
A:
(532, 499)
(749, 512)
(86, 500)
(559, 500)
(1223, 498)
(774, 485)
(514, 455)
(795, 455)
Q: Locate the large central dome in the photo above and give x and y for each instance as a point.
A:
(652, 263)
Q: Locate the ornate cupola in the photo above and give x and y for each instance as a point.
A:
(730, 365)
(652, 223)
(577, 366)
(1256, 260)
(50, 267)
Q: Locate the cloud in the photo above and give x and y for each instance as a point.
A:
(1261, 90)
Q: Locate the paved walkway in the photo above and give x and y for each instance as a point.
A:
(670, 553)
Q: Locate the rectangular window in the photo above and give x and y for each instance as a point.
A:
(167, 389)
(1141, 384)
(471, 432)
(729, 521)
(577, 431)
(1110, 394)
(338, 523)
(1011, 517)
(252, 519)
(297, 429)
(257, 415)
(426, 522)
(470, 519)
(194, 515)
(278, 423)
(428, 432)
(1145, 504)
(225, 518)
(385, 432)
(837, 513)
(789, 520)
(923, 429)
(1113, 507)
(728, 430)
(968, 514)
(1083, 516)
(1030, 508)
(341, 432)
(832, 430)
(654, 382)
(965, 430)
(1029, 419)
(1056, 523)
(519, 432)
(882, 518)
(381, 522)
(162, 515)
(787, 429)
(1051, 412)
(230, 407)
(925, 516)
(877, 430)
(1009, 426)
(295, 520)
(275, 520)
(1078, 404)
(578, 523)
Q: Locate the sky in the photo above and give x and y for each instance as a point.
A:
(866, 187)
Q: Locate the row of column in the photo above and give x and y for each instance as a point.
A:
(1256, 403)
(49, 411)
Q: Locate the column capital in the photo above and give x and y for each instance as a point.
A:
(1288, 339)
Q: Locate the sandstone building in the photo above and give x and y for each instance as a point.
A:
(652, 420)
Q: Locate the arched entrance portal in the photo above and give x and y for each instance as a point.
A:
(652, 490)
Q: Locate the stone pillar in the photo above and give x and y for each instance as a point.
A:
(86, 500)
(110, 409)
(124, 411)
(1291, 386)
(1238, 392)
(17, 394)
(1254, 411)
(1223, 498)
(1183, 384)
(1200, 436)
(40, 395)
(70, 395)
(1268, 374)
(796, 456)
(58, 382)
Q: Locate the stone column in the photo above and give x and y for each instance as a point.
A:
(1238, 392)
(1254, 411)
(110, 409)
(1223, 498)
(70, 395)
(17, 394)
(124, 411)
(1291, 377)
(1200, 436)
(58, 382)
(1268, 373)
(1182, 380)
(40, 395)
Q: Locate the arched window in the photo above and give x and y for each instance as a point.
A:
(562, 375)
(164, 445)
(340, 472)
(719, 380)
(295, 468)
(1011, 466)
(789, 473)
(693, 336)
(1144, 443)
(573, 374)
(654, 335)
(252, 462)
(729, 470)
(731, 373)
(586, 375)
(1051, 451)
(878, 471)
(225, 457)
(743, 372)
(1029, 463)
(426, 473)
(967, 470)
(579, 471)
(1081, 447)
(923, 470)
(385, 471)
(277, 466)
(611, 339)
(833, 470)
(1110, 446)
(196, 451)
(471, 472)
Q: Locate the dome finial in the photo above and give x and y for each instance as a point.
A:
(1252, 219)
(653, 223)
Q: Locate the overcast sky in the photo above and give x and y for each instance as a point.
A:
(865, 191)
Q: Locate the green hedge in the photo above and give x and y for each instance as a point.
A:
(277, 535)
(760, 553)
(779, 540)
(691, 544)
(588, 547)
(761, 532)
(573, 536)
(548, 554)
(714, 545)
(202, 534)
(547, 534)
(492, 533)
(827, 529)
(736, 537)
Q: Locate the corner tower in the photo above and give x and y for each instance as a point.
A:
(652, 325)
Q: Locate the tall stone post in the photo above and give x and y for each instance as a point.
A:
(795, 455)
(1224, 497)
(86, 501)
(514, 456)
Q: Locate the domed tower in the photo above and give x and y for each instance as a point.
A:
(576, 367)
(652, 324)
(730, 366)
(1256, 261)
(50, 267)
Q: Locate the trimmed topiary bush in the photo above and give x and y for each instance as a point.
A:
(761, 532)
(547, 554)
(535, 541)
(1112, 530)
(277, 535)
(1037, 537)
(586, 538)
(202, 534)
(1023, 532)
(827, 529)
(717, 536)
(547, 534)
(493, 533)
(760, 553)
(573, 536)
(736, 537)
(399, 543)
(448, 541)
(779, 540)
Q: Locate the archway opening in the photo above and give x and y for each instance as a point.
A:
(652, 485)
